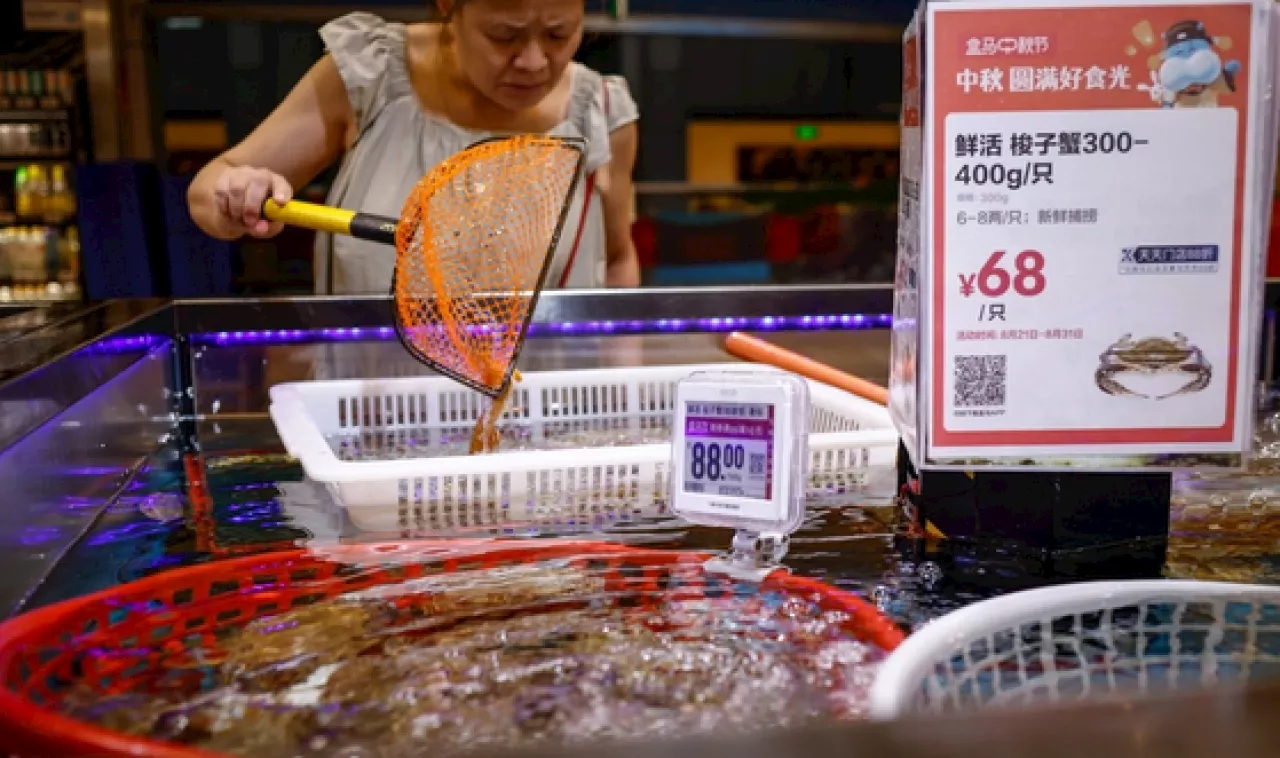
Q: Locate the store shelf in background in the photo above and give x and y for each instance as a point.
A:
(12, 219)
(29, 115)
(856, 153)
(35, 140)
(13, 164)
(39, 263)
(36, 94)
(30, 297)
(819, 242)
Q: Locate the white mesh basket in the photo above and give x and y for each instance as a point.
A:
(309, 505)
(1078, 641)
(850, 436)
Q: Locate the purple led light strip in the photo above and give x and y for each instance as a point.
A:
(832, 322)
(116, 345)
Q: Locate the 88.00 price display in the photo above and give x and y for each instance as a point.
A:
(728, 467)
(711, 460)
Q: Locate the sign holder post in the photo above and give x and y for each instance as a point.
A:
(1084, 217)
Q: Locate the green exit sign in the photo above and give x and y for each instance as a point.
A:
(806, 132)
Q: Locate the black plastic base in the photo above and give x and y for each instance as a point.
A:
(1016, 528)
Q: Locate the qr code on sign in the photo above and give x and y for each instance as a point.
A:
(980, 381)
(757, 464)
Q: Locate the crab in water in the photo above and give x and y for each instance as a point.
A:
(1153, 355)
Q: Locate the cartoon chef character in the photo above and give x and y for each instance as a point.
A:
(1192, 74)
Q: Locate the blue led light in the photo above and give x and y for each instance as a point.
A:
(117, 345)
(833, 321)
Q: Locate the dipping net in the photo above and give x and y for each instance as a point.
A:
(474, 246)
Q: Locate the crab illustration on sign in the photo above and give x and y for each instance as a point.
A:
(1152, 356)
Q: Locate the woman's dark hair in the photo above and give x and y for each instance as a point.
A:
(454, 9)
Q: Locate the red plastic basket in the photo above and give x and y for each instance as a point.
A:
(43, 651)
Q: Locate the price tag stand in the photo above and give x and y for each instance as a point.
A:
(739, 454)
(1084, 214)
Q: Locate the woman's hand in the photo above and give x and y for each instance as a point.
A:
(238, 194)
(300, 137)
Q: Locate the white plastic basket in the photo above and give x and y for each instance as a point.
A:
(1078, 641)
(309, 505)
(849, 435)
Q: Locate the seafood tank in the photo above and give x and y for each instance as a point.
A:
(147, 450)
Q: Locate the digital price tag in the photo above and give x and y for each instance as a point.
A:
(740, 450)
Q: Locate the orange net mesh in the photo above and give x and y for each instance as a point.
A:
(474, 244)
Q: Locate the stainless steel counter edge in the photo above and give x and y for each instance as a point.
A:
(318, 312)
(689, 303)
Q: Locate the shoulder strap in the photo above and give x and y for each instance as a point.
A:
(587, 194)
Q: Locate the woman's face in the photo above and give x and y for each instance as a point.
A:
(514, 51)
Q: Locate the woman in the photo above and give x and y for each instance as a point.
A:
(399, 99)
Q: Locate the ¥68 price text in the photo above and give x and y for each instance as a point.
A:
(995, 280)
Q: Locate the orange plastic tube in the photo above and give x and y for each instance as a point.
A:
(753, 349)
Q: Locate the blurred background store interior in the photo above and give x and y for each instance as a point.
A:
(768, 133)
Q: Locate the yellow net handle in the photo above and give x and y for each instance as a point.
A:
(326, 218)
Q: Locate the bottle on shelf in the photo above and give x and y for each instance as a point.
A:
(43, 192)
(69, 258)
(26, 257)
(66, 88)
(50, 98)
(38, 187)
(35, 86)
(62, 201)
(33, 258)
(60, 135)
(6, 265)
(9, 87)
(23, 202)
(52, 259)
(22, 86)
